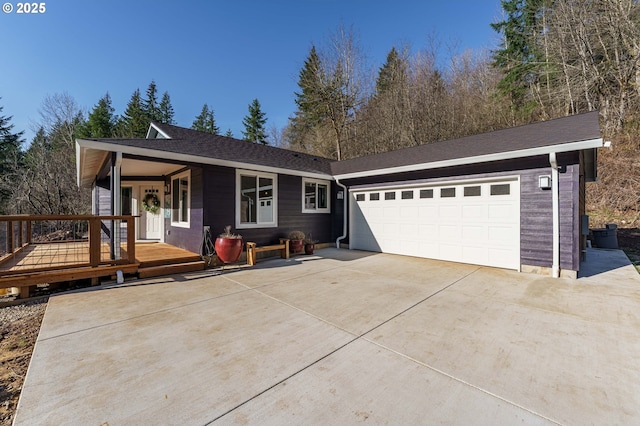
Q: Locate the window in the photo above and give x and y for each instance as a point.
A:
(359, 197)
(472, 191)
(374, 196)
(390, 195)
(180, 199)
(126, 200)
(426, 193)
(447, 192)
(501, 189)
(256, 199)
(315, 196)
(407, 195)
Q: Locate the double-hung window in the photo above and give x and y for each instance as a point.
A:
(315, 196)
(180, 199)
(256, 199)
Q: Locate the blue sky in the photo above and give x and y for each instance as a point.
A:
(224, 53)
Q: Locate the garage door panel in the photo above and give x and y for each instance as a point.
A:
(502, 258)
(470, 232)
(391, 213)
(428, 213)
(391, 228)
(480, 224)
(409, 248)
(476, 255)
(427, 231)
(504, 234)
(502, 211)
(409, 212)
(408, 230)
(451, 252)
(373, 213)
(449, 211)
(448, 233)
(475, 211)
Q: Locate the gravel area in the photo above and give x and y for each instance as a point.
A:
(19, 328)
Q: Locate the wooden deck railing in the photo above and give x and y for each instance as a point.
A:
(35, 243)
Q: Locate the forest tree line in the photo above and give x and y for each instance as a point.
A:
(556, 58)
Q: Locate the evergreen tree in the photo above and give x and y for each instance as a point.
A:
(229, 133)
(134, 123)
(150, 104)
(518, 55)
(166, 110)
(254, 124)
(308, 99)
(392, 73)
(10, 157)
(101, 122)
(9, 142)
(205, 122)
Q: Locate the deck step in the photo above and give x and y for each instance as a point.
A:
(176, 268)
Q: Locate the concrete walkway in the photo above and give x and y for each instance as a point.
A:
(343, 337)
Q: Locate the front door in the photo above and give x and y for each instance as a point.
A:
(150, 212)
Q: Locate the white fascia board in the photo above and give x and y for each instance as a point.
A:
(151, 126)
(509, 155)
(188, 158)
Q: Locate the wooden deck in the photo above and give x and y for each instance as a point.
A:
(68, 261)
(38, 249)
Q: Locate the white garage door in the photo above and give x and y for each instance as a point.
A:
(469, 222)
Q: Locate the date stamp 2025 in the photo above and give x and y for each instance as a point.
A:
(25, 8)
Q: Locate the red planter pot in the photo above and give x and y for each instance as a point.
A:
(228, 249)
(308, 248)
(295, 246)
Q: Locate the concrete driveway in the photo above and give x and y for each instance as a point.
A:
(343, 337)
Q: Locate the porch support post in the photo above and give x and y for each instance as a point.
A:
(131, 239)
(116, 238)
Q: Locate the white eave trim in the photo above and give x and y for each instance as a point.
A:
(152, 126)
(83, 144)
(509, 155)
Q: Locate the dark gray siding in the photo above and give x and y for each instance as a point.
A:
(290, 216)
(536, 226)
(103, 197)
(219, 198)
(189, 238)
(213, 204)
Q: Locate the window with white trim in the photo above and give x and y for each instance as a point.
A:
(181, 199)
(256, 199)
(315, 196)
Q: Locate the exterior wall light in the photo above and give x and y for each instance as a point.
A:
(544, 182)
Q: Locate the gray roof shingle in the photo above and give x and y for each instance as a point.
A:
(546, 133)
(559, 131)
(201, 144)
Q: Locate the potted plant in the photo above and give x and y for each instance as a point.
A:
(228, 246)
(309, 244)
(296, 241)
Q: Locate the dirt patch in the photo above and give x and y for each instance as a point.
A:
(629, 241)
(19, 328)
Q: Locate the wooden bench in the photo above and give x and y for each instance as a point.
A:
(253, 249)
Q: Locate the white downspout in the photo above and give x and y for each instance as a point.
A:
(555, 194)
(344, 214)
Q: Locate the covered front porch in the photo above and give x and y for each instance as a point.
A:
(36, 250)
